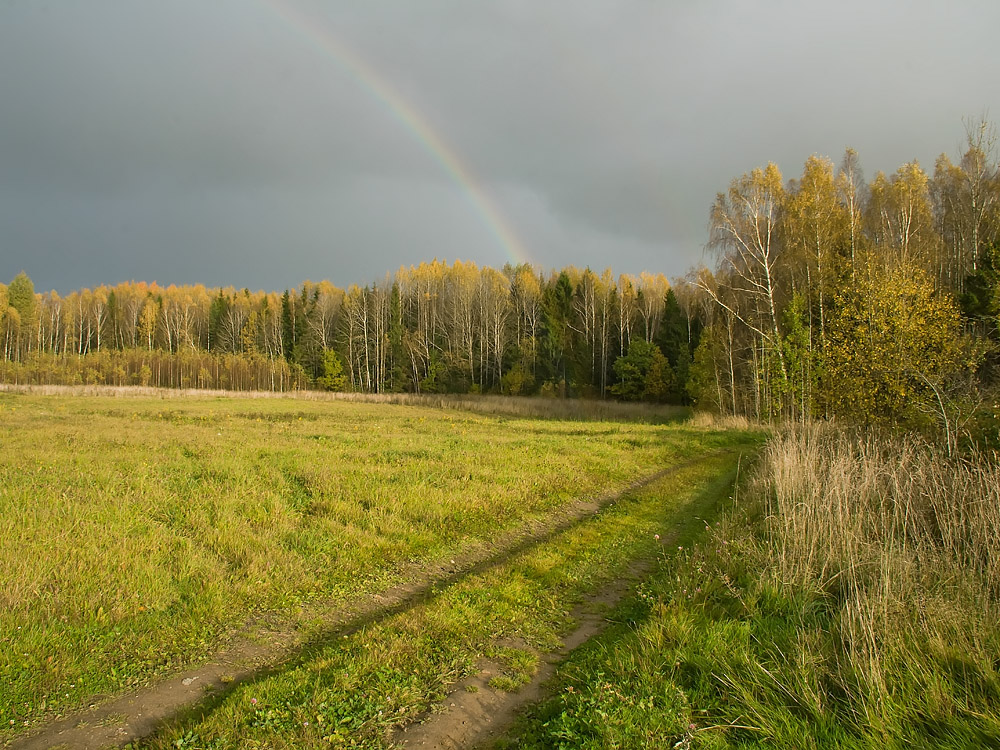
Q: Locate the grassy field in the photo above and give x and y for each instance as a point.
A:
(526, 407)
(850, 600)
(847, 599)
(136, 533)
(353, 691)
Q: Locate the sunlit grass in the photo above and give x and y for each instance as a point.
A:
(353, 691)
(135, 533)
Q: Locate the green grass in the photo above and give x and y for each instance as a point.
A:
(353, 691)
(841, 605)
(136, 533)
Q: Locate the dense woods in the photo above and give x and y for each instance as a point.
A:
(830, 296)
(433, 328)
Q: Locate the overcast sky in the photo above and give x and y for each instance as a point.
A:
(261, 143)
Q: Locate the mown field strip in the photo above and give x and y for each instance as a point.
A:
(363, 683)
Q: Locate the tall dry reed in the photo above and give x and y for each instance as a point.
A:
(905, 538)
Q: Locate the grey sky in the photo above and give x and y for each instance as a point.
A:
(219, 142)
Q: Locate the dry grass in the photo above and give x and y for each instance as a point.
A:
(906, 538)
(878, 511)
(709, 421)
(529, 407)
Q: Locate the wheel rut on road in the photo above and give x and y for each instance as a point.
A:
(476, 714)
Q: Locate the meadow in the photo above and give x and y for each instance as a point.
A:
(359, 689)
(138, 534)
(841, 589)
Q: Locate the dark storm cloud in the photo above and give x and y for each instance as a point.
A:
(170, 93)
(219, 142)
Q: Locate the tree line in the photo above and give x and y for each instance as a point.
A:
(830, 296)
(432, 328)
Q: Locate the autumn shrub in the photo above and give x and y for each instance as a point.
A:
(896, 348)
(163, 369)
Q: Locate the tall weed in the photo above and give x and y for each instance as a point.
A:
(906, 541)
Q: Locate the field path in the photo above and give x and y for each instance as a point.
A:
(477, 714)
(265, 645)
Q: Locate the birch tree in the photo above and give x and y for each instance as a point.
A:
(744, 232)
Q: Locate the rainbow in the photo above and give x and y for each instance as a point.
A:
(383, 92)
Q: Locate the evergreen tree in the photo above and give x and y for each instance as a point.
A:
(287, 325)
(20, 299)
(643, 374)
(333, 377)
(216, 313)
(557, 303)
(672, 339)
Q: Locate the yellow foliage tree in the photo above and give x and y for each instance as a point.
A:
(895, 344)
